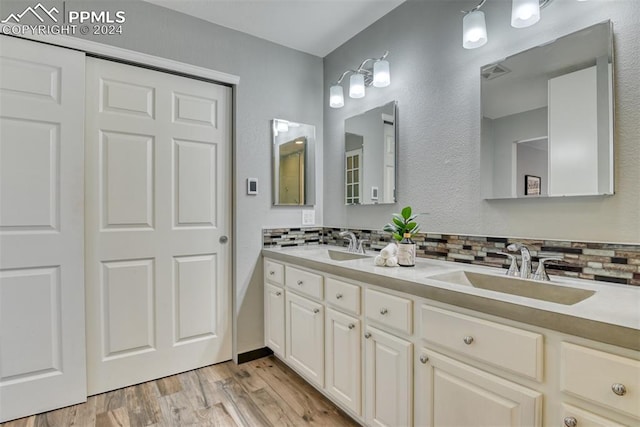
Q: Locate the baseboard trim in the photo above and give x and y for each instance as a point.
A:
(254, 354)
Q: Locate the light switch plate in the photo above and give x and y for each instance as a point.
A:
(308, 217)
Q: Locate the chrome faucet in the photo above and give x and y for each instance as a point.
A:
(355, 245)
(525, 265)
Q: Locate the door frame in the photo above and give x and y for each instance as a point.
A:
(158, 63)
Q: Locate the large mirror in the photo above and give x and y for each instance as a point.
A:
(370, 144)
(547, 119)
(293, 161)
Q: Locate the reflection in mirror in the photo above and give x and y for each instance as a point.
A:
(293, 163)
(370, 156)
(548, 112)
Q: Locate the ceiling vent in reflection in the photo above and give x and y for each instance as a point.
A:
(494, 71)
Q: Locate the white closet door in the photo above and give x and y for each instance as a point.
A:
(158, 203)
(42, 336)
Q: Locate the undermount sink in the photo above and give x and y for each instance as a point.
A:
(515, 286)
(345, 256)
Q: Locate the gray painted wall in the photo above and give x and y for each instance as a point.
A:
(275, 82)
(437, 85)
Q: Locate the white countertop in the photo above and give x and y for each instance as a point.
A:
(611, 304)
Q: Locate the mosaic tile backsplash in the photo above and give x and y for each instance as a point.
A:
(615, 263)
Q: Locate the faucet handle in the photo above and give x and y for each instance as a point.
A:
(541, 272)
(513, 267)
(361, 249)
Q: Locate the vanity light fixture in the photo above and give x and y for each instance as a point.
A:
(524, 13)
(377, 76)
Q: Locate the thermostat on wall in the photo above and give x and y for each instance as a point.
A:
(252, 186)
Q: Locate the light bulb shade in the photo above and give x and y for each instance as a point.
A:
(356, 86)
(381, 76)
(474, 30)
(524, 13)
(336, 96)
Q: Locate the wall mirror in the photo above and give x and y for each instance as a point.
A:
(547, 119)
(370, 144)
(293, 161)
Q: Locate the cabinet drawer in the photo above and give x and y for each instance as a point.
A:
(343, 295)
(304, 282)
(274, 272)
(583, 418)
(510, 348)
(389, 310)
(597, 376)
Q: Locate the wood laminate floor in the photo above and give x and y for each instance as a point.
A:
(263, 392)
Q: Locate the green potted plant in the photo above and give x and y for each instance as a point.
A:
(402, 227)
(403, 222)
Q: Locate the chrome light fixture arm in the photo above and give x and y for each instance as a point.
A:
(368, 73)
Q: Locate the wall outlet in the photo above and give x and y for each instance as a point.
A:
(308, 217)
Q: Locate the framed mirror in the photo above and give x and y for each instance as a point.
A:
(293, 162)
(370, 148)
(547, 119)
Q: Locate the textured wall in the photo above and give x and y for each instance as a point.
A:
(437, 85)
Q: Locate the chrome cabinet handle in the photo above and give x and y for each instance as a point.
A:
(338, 296)
(383, 311)
(278, 294)
(271, 273)
(351, 326)
(619, 389)
(424, 358)
(300, 282)
(367, 335)
(468, 340)
(316, 310)
(570, 422)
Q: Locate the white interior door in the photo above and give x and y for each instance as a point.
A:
(157, 202)
(42, 335)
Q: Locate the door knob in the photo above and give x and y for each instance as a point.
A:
(223, 239)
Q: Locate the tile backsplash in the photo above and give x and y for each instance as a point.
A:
(616, 263)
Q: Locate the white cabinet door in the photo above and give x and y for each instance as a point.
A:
(388, 379)
(305, 337)
(274, 330)
(158, 202)
(344, 360)
(450, 393)
(42, 334)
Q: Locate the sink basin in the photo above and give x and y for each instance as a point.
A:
(345, 256)
(512, 285)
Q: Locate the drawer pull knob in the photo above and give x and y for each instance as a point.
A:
(338, 296)
(468, 340)
(383, 311)
(351, 326)
(278, 294)
(367, 335)
(570, 422)
(619, 389)
(271, 273)
(316, 310)
(424, 358)
(300, 282)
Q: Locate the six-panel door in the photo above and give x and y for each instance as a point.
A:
(42, 334)
(158, 212)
